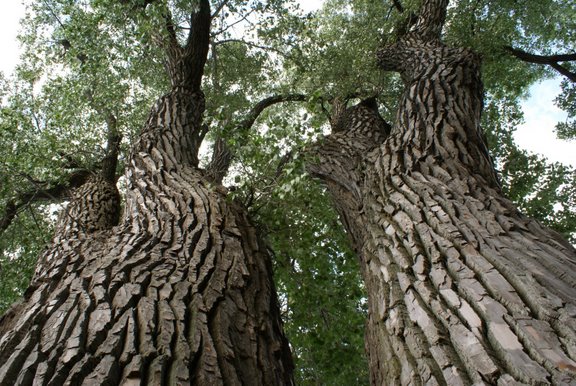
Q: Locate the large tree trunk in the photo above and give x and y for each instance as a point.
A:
(180, 292)
(462, 287)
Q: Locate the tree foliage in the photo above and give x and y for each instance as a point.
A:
(91, 68)
(567, 102)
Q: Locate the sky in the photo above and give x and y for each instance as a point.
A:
(540, 117)
(536, 134)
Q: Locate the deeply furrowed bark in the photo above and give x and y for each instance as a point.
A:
(180, 292)
(462, 287)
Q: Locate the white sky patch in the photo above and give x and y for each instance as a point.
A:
(541, 115)
(310, 5)
(11, 13)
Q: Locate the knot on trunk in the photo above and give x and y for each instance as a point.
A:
(362, 120)
(339, 159)
(95, 206)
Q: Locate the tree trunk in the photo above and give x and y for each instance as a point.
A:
(462, 287)
(180, 292)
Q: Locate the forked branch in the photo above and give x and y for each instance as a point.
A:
(222, 156)
(551, 60)
(185, 64)
(55, 193)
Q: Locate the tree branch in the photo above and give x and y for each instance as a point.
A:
(110, 160)
(398, 5)
(541, 59)
(219, 8)
(185, 64)
(197, 44)
(167, 39)
(220, 163)
(430, 20)
(255, 112)
(222, 156)
(564, 71)
(60, 191)
(250, 44)
(56, 193)
(51, 10)
(227, 27)
(171, 29)
(113, 138)
(551, 60)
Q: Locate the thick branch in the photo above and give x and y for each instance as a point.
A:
(56, 193)
(220, 163)
(113, 138)
(198, 43)
(541, 59)
(430, 20)
(255, 112)
(110, 161)
(551, 60)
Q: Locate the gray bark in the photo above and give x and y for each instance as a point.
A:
(463, 289)
(180, 291)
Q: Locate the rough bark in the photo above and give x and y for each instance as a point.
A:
(179, 292)
(463, 289)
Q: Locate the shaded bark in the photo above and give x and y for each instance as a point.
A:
(179, 292)
(462, 287)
